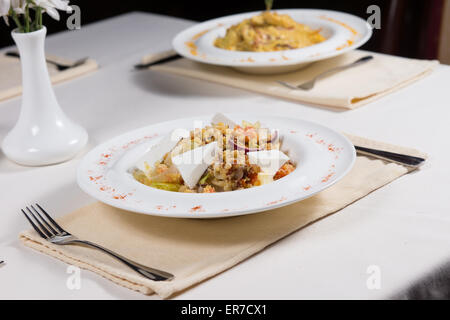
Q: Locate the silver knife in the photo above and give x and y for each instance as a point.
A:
(403, 159)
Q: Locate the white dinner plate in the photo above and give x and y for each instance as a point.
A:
(322, 156)
(344, 32)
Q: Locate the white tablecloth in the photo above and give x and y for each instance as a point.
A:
(402, 229)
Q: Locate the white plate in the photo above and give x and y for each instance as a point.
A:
(344, 32)
(322, 155)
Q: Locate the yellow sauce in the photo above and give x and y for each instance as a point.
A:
(193, 47)
(268, 31)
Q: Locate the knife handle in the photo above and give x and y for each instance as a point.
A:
(403, 159)
(12, 54)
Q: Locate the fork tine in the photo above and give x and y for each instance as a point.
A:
(45, 221)
(286, 84)
(57, 226)
(41, 226)
(33, 225)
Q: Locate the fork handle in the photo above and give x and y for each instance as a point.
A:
(347, 66)
(147, 272)
(17, 55)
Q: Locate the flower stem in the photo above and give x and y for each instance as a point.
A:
(38, 18)
(16, 20)
(27, 18)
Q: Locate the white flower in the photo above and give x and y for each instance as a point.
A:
(18, 6)
(4, 7)
(51, 7)
(62, 5)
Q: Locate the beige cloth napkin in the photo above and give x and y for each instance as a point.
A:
(346, 89)
(195, 250)
(11, 74)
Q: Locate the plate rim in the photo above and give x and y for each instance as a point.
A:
(210, 214)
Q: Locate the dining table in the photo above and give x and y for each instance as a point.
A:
(399, 234)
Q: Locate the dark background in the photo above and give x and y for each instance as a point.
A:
(409, 28)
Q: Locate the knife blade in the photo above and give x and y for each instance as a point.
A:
(141, 66)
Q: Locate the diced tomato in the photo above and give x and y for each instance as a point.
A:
(209, 189)
(284, 171)
(247, 132)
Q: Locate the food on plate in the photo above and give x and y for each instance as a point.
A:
(190, 170)
(268, 31)
(158, 151)
(222, 156)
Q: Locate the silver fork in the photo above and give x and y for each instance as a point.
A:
(310, 84)
(59, 66)
(48, 229)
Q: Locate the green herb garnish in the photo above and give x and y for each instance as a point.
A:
(269, 4)
(165, 186)
(204, 178)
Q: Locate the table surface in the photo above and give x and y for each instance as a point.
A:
(402, 228)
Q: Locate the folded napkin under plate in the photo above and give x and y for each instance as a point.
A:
(195, 250)
(11, 74)
(348, 89)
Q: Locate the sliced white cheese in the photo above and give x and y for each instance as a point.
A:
(192, 164)
(157, 151)
(270, 161)
(220, 117)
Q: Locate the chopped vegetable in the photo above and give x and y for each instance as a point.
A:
(166, 186)
(286, 169)
(204, 178)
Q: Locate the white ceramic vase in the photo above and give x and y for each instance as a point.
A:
(43, 134)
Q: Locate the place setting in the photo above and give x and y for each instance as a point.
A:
(60, 69)
(321, 66)
(119, 175)
(178, 202)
